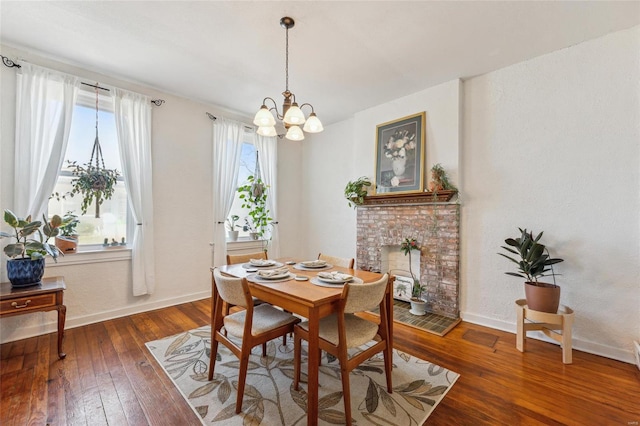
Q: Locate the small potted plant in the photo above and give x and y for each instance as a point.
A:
(248, 227)
(67, 239)
(232, 233)
(534, 261)
(418, 305)
(355, 191)
(25, 266)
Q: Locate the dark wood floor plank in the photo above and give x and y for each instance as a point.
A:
(498, 385)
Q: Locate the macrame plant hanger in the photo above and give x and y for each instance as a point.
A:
(98, 183)
(257, 188)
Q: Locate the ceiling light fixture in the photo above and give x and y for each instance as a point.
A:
(292, 116)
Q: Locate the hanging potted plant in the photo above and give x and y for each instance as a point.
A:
(92, 180)
(258, 220)
(534, 261)
(418, 305)
(25, 266)
(67, 239)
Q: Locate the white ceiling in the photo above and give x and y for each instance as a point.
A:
(344, 56)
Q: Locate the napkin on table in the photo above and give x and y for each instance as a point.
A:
(272, 272)
(314, 263)
(259, 262)
(334, 275)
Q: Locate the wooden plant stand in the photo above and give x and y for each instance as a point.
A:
(529, 319)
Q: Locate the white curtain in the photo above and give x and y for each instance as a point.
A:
(44, 107)
(268, 157)
(133, 125)
(227, 147)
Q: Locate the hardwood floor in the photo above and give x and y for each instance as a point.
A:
(109, 377)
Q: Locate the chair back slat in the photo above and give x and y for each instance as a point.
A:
(234, 259)
(344, 262)
(363, 297)
(230, 289)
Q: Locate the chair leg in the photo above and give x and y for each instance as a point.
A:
(346, 394)
(388, 366)
(242, 376)
(284, 340)
(319, 357)
(212, 357)
(264, 349)
(297, 354)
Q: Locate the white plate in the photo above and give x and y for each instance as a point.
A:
(273, 277)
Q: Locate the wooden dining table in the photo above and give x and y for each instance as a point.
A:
(312, 302)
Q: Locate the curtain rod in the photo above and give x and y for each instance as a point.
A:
(246, 126)
(11, 64)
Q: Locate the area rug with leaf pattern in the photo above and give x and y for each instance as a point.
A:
(418, 385)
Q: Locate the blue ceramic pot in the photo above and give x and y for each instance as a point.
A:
(25, 272)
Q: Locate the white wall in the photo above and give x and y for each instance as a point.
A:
(181, 145)
(551, 144)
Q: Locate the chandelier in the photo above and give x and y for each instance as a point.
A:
(292, 116)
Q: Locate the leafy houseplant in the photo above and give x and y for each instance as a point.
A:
(231, 227)
(95, 184)
(26, 255)
(534, 261)
(254, 198)
(440, 180)
(417, 303)
(67, 240)
(355, 191)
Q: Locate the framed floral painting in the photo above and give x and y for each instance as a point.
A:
(400, 155)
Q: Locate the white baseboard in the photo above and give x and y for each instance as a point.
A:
(73, 322)
(580, 345)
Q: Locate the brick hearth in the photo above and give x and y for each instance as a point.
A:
(436, 226)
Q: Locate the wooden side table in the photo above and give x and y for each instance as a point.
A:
(44, 297)
(529, 319)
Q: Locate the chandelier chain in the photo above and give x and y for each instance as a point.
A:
(286, 67)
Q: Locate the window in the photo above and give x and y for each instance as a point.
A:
(112, 223)
(247, 168)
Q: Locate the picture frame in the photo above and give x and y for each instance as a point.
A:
(400, 155)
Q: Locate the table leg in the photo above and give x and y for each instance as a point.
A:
(312, 373)
(62, 315)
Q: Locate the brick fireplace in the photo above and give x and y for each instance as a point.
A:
(436, 226)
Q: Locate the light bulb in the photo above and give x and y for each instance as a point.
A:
(264, 118)
(295, 133)
(267, 131)
(313, 124)
(294, 115)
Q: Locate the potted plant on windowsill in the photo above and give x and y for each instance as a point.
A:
(534, 261)
(418, 305)
(355, 191)
(232, 233)
(67, 239)
(26, 263)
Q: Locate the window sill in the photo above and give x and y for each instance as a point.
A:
(93, 254)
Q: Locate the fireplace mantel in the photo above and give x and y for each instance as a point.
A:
(415, 198)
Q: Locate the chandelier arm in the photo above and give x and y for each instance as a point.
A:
(307, 104)
(273, 108)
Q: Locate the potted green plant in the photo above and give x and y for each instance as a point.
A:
(440, 180)
(356, 190)
(534, 261)
(95, 185)
(67, 239)
(254, 198)
(418, 305)
(25, 266)
(232, 232)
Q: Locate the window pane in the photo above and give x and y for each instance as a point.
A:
(247, 168)
(113, 213)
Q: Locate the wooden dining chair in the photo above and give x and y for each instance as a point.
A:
(344, 262)
(254, 325)
(233, 259)
(344, 330)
